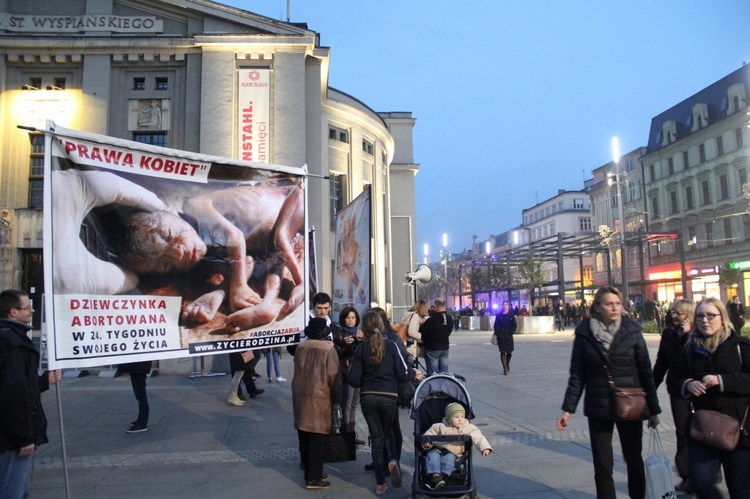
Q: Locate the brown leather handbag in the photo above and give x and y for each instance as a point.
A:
(629, 404)
(716, 429)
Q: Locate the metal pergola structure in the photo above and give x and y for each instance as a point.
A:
(560, 247)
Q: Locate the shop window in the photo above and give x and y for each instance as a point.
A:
(152, 138)
(36, 170)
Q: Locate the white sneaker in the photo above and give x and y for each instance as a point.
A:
(235, 400)
(280, 379)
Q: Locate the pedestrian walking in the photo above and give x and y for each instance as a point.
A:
(505, 327)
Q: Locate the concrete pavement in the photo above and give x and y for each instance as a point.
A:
(199, 447)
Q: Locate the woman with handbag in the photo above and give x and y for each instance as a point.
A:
(609, 352)
(715, 373)
(671, 348)
(505, 327)
(414, 318)
(347, 339)
(376, 369)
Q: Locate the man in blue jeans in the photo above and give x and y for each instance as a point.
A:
(436, 331)
(23, 426)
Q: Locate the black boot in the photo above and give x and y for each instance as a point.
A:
(504, 361)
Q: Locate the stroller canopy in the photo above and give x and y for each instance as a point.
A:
(442, 385)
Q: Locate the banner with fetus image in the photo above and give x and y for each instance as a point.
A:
(351, 279)
(154, 253)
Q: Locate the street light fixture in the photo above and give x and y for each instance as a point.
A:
(426, 254)
(621, 211)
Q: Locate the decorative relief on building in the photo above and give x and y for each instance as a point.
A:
(148, 114)
(6, 228)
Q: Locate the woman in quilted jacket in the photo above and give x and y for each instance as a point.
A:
(715, 375)
(609, 339)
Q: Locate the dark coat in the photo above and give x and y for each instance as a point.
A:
(732, 395)
(436, 331)
(316, 385)
(671, 348)
(628, 361)
(22, 420)
(383, 378)
(505, 327)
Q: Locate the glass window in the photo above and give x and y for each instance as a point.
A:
(152, 138)
(685, 160)
(742, 176)
(689, 197)
(367, 147)
(673, 202)
(338, 134)
(336, 184)
(719, 145)
(706, 192)
(655, 207)
(36, 170)
(727, 222)
(723, 186)
(162, 83)
(709, 226)
(584, 224)
(670, 165)
(702, 153)
(738, 137)
(139, 83)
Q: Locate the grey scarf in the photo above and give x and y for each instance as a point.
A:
(605, 334)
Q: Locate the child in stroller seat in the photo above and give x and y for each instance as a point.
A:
(441, 461)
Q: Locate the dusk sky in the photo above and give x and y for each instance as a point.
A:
(517, 99)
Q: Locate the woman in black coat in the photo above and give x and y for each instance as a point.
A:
(607, 338)
(671, 350)
(505, 326)
(715, 374)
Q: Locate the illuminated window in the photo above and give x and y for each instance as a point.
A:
(152, 138)
(36, 170)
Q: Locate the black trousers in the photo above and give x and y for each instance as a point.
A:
(138, 382)
(631, 435)
(681, 416)
(311, 453)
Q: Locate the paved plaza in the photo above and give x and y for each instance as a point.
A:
(199, 447)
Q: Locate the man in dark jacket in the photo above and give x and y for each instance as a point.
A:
(436, 331)
(22, 423)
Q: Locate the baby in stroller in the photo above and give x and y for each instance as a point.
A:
(442, 455)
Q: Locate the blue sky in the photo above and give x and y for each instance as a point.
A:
(517, 99)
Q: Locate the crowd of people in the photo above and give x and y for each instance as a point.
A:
(706, 365)
(361, 361)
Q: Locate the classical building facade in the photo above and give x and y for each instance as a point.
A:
(694, 171)
(177, 74)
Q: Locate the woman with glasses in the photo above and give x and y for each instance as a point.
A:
(671, 348)
(715, 374)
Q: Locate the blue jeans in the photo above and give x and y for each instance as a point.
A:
(704, 468)
(14, 472)
(379, 412)
(436, 361)
(273, 354)
(631, 441)
(437, 463)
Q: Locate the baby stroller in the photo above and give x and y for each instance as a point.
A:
(428, 407)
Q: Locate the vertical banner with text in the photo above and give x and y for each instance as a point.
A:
(154, 253)
(254, 98)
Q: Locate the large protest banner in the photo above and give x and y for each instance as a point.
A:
(351, 281)
(154, 253)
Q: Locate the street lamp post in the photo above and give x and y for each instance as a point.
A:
(621, 211)
(445, 264)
